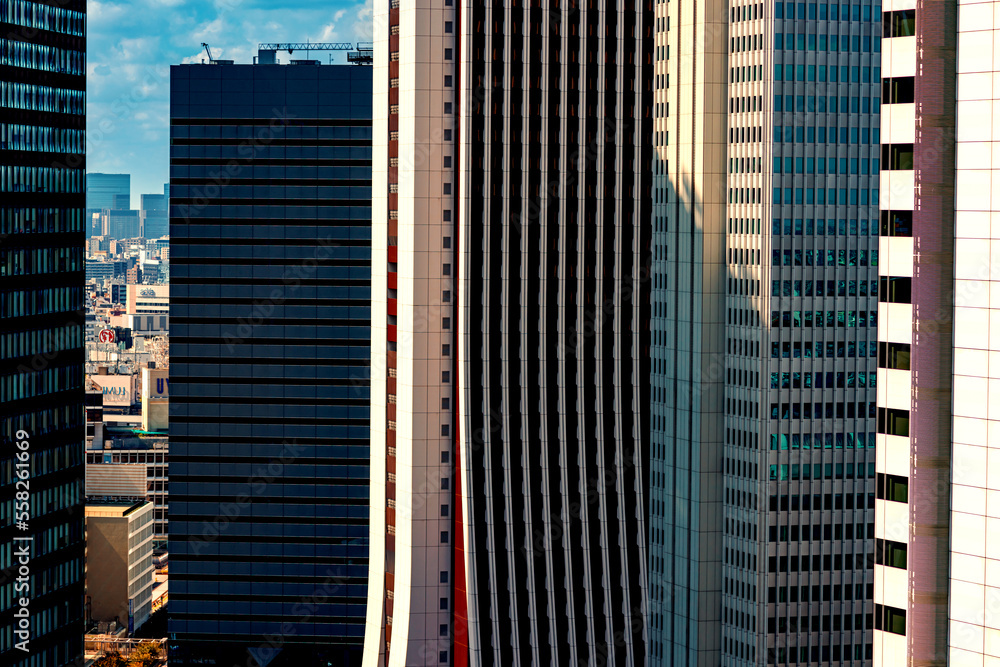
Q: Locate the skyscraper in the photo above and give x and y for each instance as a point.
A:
(510, 334)
(937, 584)
(102, 189)
(42, 123)
(764, 332)
(153, 219)
(269, 374)
(121, 224)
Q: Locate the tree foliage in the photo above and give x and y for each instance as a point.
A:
(110, 659)
(144, 655)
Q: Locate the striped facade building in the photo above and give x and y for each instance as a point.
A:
(510, 340)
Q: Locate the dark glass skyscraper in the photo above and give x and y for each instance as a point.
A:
(42, 122)
(270, 231)
(102, 190)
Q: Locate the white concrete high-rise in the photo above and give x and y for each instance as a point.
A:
(974, 576)
(762, 448)
(915, 399)
(937, 573)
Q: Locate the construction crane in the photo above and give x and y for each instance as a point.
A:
(361, 53)
(212, 60)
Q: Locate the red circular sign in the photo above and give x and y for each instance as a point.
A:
(106, 336)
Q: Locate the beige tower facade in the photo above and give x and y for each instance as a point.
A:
(414, 150)
(688, 324)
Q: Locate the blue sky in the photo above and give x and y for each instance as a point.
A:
(132, 43)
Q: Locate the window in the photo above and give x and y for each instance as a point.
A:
(890, 619)
(902, 23)
(894, 290)
(894, 355)
(892, 421)
(892, 554)
(892, 487)
(897, 223)
(448, 27)
(897, 156)
(898, 90)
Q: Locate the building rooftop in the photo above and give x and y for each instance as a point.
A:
(116, 508)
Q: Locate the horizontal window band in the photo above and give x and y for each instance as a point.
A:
(201, 202)
(269, 282)
(266, 122)
(325, 600)
(267, 421)
(270, 400)
(258, 460)
(287, 321)
(289, 639)
(290, 382)
(270, 141)
(259, 340)
(222, 163)
(178, 222)
(12, 74)
(256, 499)
(279, 182)
(250, 301)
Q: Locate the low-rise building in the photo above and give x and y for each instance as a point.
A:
(113, 469)
(119, 562)
(155, 399)
(100, 270)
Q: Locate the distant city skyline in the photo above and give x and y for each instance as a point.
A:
(129, 53)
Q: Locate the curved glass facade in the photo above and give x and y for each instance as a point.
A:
(42, 91)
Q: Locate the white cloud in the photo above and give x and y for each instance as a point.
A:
(132, 43)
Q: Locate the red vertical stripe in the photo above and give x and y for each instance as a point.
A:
(460, 597)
